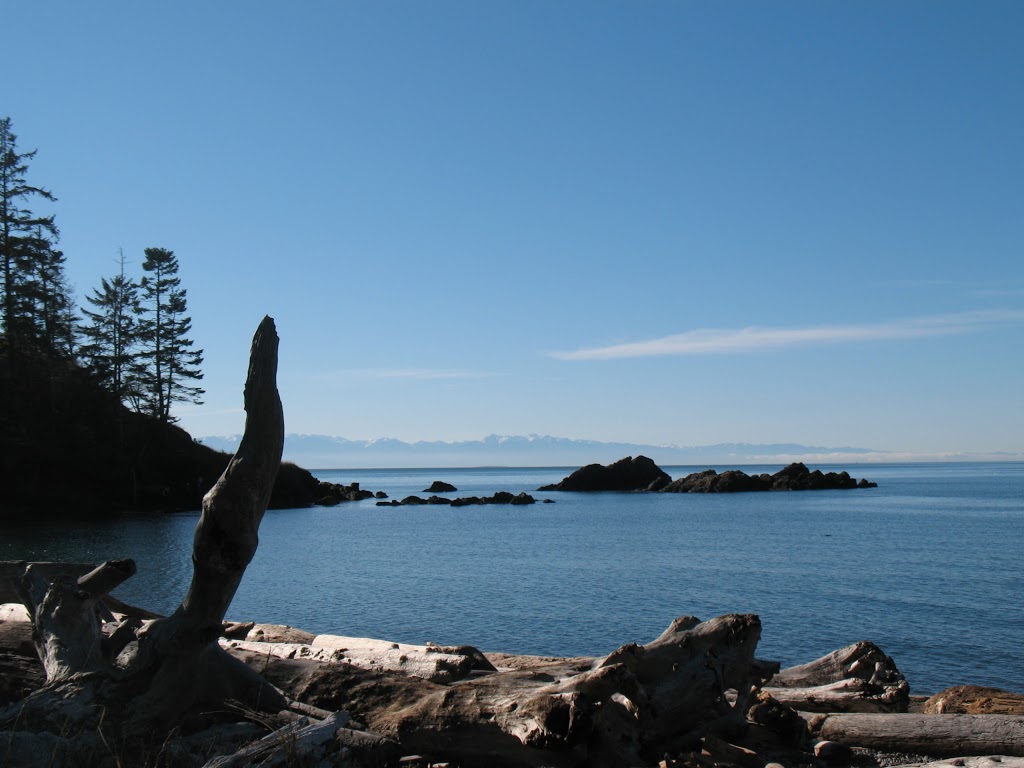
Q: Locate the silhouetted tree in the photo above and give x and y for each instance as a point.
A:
(45, 297)
(112, 335)
(165, 348)
(34, 288)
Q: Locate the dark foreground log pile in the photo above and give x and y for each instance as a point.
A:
(693, 697)
(89, 681)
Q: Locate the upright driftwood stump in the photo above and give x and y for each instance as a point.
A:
(170, 673)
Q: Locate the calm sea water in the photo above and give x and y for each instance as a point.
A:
(927, 565)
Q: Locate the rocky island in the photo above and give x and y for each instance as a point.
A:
(642, 474)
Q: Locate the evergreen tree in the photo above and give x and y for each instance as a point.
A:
(32, 269)
(111, 332)
(44, 298)
(166, 352)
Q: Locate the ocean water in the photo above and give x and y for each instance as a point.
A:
(927, 565)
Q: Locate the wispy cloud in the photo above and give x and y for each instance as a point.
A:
(417, 374)
(727, 341)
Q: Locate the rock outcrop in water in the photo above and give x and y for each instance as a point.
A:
(795, 477)
(501, 497)
(440, 486)
(628, 474)
(642, 474)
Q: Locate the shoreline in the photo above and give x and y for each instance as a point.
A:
(834, 691)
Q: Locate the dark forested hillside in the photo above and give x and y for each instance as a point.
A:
(68, 446)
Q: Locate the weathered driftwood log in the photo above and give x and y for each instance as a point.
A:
(933, 735)
(20, 669)
(987, 761)
(431, 662)
(280, 747)
(857, 678)
(174, 669)
(851, 695)
(625, 709)
(12, 573)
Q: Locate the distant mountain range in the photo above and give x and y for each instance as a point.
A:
(325, 452)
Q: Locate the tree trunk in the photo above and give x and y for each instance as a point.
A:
(934, 735)
(435, 663)
(863, 660)
(857, 678)
(993, 761)
(851, 695)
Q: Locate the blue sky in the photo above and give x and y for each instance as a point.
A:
(654, 222)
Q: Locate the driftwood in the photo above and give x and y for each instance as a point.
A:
(20, 669)
(147, 680)
(934, 735)
(857, 678)
(279, 748)
(431, 662)
(988, 761)
(625, 709)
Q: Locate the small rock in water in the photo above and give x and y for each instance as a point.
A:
(439, 486)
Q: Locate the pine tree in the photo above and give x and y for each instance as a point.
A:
(166, 351)
(31, 267)
(45, 297)
(112, 335)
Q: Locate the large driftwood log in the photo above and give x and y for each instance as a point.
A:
(934, 735)
(623, 710)
(275, 749)
(851, 695)
(856, 678)
(431, 662)
(987, 761)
